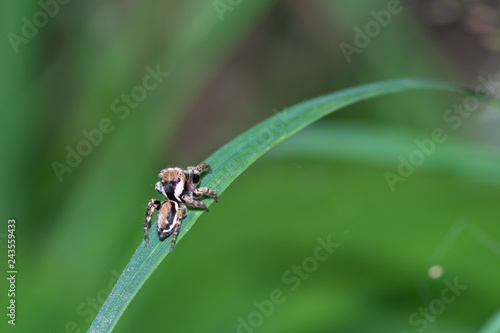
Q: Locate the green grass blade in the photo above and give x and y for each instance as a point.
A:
(492, 325)
(229, 162)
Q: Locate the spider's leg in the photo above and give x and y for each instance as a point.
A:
(152, 205)
(202, 168)
(205, 191)
(183, 209)
(178, 220)
(193, 174)
(188, 200)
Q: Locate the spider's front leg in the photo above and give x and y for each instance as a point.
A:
(202, 167)
(205, 191)
(188, 200)
(152, 205)
(193, 174)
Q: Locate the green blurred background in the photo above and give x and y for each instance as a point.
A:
(231, 64)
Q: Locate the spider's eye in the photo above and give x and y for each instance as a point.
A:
(158, 187)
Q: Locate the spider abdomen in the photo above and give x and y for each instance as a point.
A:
(166, 217)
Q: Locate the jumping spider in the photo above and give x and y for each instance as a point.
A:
(180, 188)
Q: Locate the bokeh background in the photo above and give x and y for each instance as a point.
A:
(231, 64)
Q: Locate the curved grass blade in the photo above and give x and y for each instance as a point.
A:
(492, 325)
(229, 162)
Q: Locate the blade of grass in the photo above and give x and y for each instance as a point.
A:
(492, 325)
(229, 162)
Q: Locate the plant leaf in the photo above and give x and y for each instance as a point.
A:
(229, 162)
(492, 325)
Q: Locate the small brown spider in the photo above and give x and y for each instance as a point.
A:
(180, 188)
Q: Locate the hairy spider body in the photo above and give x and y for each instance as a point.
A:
(169, 218)
(180, 188)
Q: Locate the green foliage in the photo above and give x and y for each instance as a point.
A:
(227, 72)
(229, 162)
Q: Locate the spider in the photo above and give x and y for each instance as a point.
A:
(180, 188)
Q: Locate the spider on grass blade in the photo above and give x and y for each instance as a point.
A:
(180, 188)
